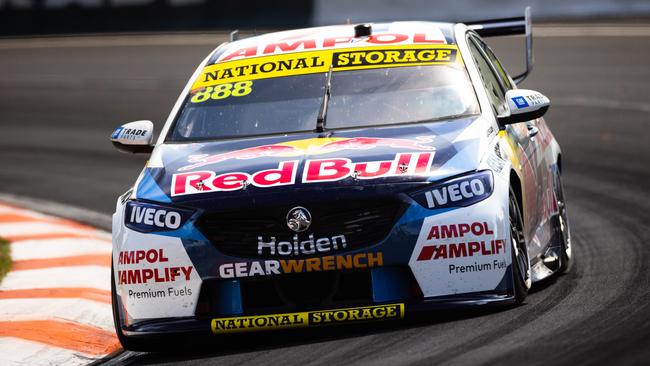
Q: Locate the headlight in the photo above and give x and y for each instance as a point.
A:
(148, 217)
(456, 192)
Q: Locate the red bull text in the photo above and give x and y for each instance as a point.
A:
(315, 171)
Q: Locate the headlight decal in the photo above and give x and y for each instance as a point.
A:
(147, 217)
(457, 192)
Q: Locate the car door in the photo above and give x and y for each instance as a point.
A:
(496, 83)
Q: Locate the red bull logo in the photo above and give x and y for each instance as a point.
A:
(315, 146)
(315, 171)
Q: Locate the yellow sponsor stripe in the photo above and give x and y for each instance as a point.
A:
(310, 62)
(307, 319)
(261, 322)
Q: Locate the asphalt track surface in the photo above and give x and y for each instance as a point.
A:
(60, 99)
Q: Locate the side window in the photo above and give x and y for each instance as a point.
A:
(497, 65)
(490, 80)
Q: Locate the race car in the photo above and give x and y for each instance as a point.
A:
(339, 175)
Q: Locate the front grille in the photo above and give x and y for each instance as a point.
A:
(363, 223)
(303, 292)
(288, 293)
(306, 291)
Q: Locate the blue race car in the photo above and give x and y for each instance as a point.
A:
(337, 175)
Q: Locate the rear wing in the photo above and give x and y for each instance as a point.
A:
(508, 27)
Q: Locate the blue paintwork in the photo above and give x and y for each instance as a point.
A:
(389, 284)
(227, 298)
(149, 190)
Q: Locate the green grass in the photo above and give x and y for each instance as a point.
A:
(5, 258)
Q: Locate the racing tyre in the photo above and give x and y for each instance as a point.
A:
(129, 343)
(562, 231)
(520, 262)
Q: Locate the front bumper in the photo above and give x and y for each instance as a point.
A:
(431, 259)
(400, 310)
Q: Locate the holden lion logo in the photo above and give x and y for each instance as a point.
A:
(298, 219)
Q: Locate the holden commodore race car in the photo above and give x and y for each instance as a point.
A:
(339, 174)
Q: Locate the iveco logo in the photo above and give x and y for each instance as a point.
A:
(298, 219)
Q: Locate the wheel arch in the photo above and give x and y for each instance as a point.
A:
(515, 183)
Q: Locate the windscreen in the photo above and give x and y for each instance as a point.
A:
(274, 95)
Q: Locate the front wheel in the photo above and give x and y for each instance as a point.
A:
(562, 231)
(520, 262)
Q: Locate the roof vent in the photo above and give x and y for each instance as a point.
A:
(362, 30)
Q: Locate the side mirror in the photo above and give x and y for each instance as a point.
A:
(134, 137)
(524, 105)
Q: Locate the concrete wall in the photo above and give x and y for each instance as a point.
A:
(21, 17)
(337, 11)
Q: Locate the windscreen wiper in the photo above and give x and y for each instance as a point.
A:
(322, 113)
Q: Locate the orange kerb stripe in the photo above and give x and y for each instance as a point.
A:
(63, 292)
(18, 217)
(73, 224)
(78, 260)
(6, 206)
(39, 236)
(68, 335)
(14, 217)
